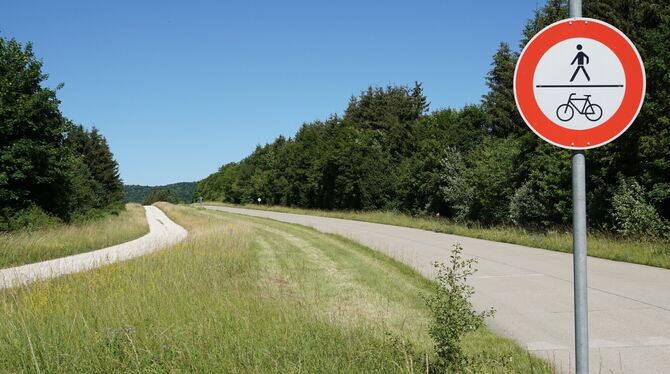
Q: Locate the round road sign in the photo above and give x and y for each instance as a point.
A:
(579, 83)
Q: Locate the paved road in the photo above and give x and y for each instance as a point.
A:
(629, 305)
(162, 233)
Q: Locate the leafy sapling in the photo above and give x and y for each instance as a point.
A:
(452, 311)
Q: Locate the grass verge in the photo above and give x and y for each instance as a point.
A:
(240, 294)
(652, 253)
(24, 247)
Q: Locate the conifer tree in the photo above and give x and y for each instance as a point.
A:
(99, 160)
(504, 118)
(554, 10)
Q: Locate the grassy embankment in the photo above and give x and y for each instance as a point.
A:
(24, 247)
(653, 253)
(240, 294)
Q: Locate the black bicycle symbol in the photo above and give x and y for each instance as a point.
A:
(566, 111)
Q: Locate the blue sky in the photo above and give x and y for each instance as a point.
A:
(181, 87)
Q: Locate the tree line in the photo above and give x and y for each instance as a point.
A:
(181, 192)
(478, 163)
(51, 170)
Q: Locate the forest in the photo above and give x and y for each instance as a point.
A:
(181, 192)
(51, 169)
(479, 163)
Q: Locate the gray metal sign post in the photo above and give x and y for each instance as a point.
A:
(579, 261)
(579, 244)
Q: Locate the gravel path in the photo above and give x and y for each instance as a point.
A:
(162, 233)
(629, 305)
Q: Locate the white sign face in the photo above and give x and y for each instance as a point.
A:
(579, 83)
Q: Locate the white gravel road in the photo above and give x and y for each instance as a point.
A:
(629, 305)
(163, 232)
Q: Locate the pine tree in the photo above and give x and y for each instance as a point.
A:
(503, 116)
(554, 10)
(419, 100)
(104, 168)
(99, 160)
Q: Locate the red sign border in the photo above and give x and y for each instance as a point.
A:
(621, 120)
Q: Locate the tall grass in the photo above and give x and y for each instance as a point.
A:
(24, 247)
(238, 295)
(603, 245)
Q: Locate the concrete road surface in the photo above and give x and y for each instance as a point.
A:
(162, 233)
(629, 305)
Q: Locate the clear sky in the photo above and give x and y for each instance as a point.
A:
(181, 87)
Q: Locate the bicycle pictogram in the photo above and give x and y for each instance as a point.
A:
(591, 111)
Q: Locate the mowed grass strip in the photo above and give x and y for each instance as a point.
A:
(607, 246)
(25, 247)
(238, 295)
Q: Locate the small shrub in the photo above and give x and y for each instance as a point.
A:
(492, 168)
(453, 315)
(30, 219)
(633, 215)
(456, 190)
(92, 214)
(525, 209)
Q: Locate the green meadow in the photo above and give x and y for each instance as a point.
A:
(240, 294)
(28, 246)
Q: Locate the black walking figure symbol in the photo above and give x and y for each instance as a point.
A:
(579, 59)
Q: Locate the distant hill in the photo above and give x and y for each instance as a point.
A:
(137, 194)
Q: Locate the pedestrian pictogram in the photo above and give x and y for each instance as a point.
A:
(579, 83)
(581, 58)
